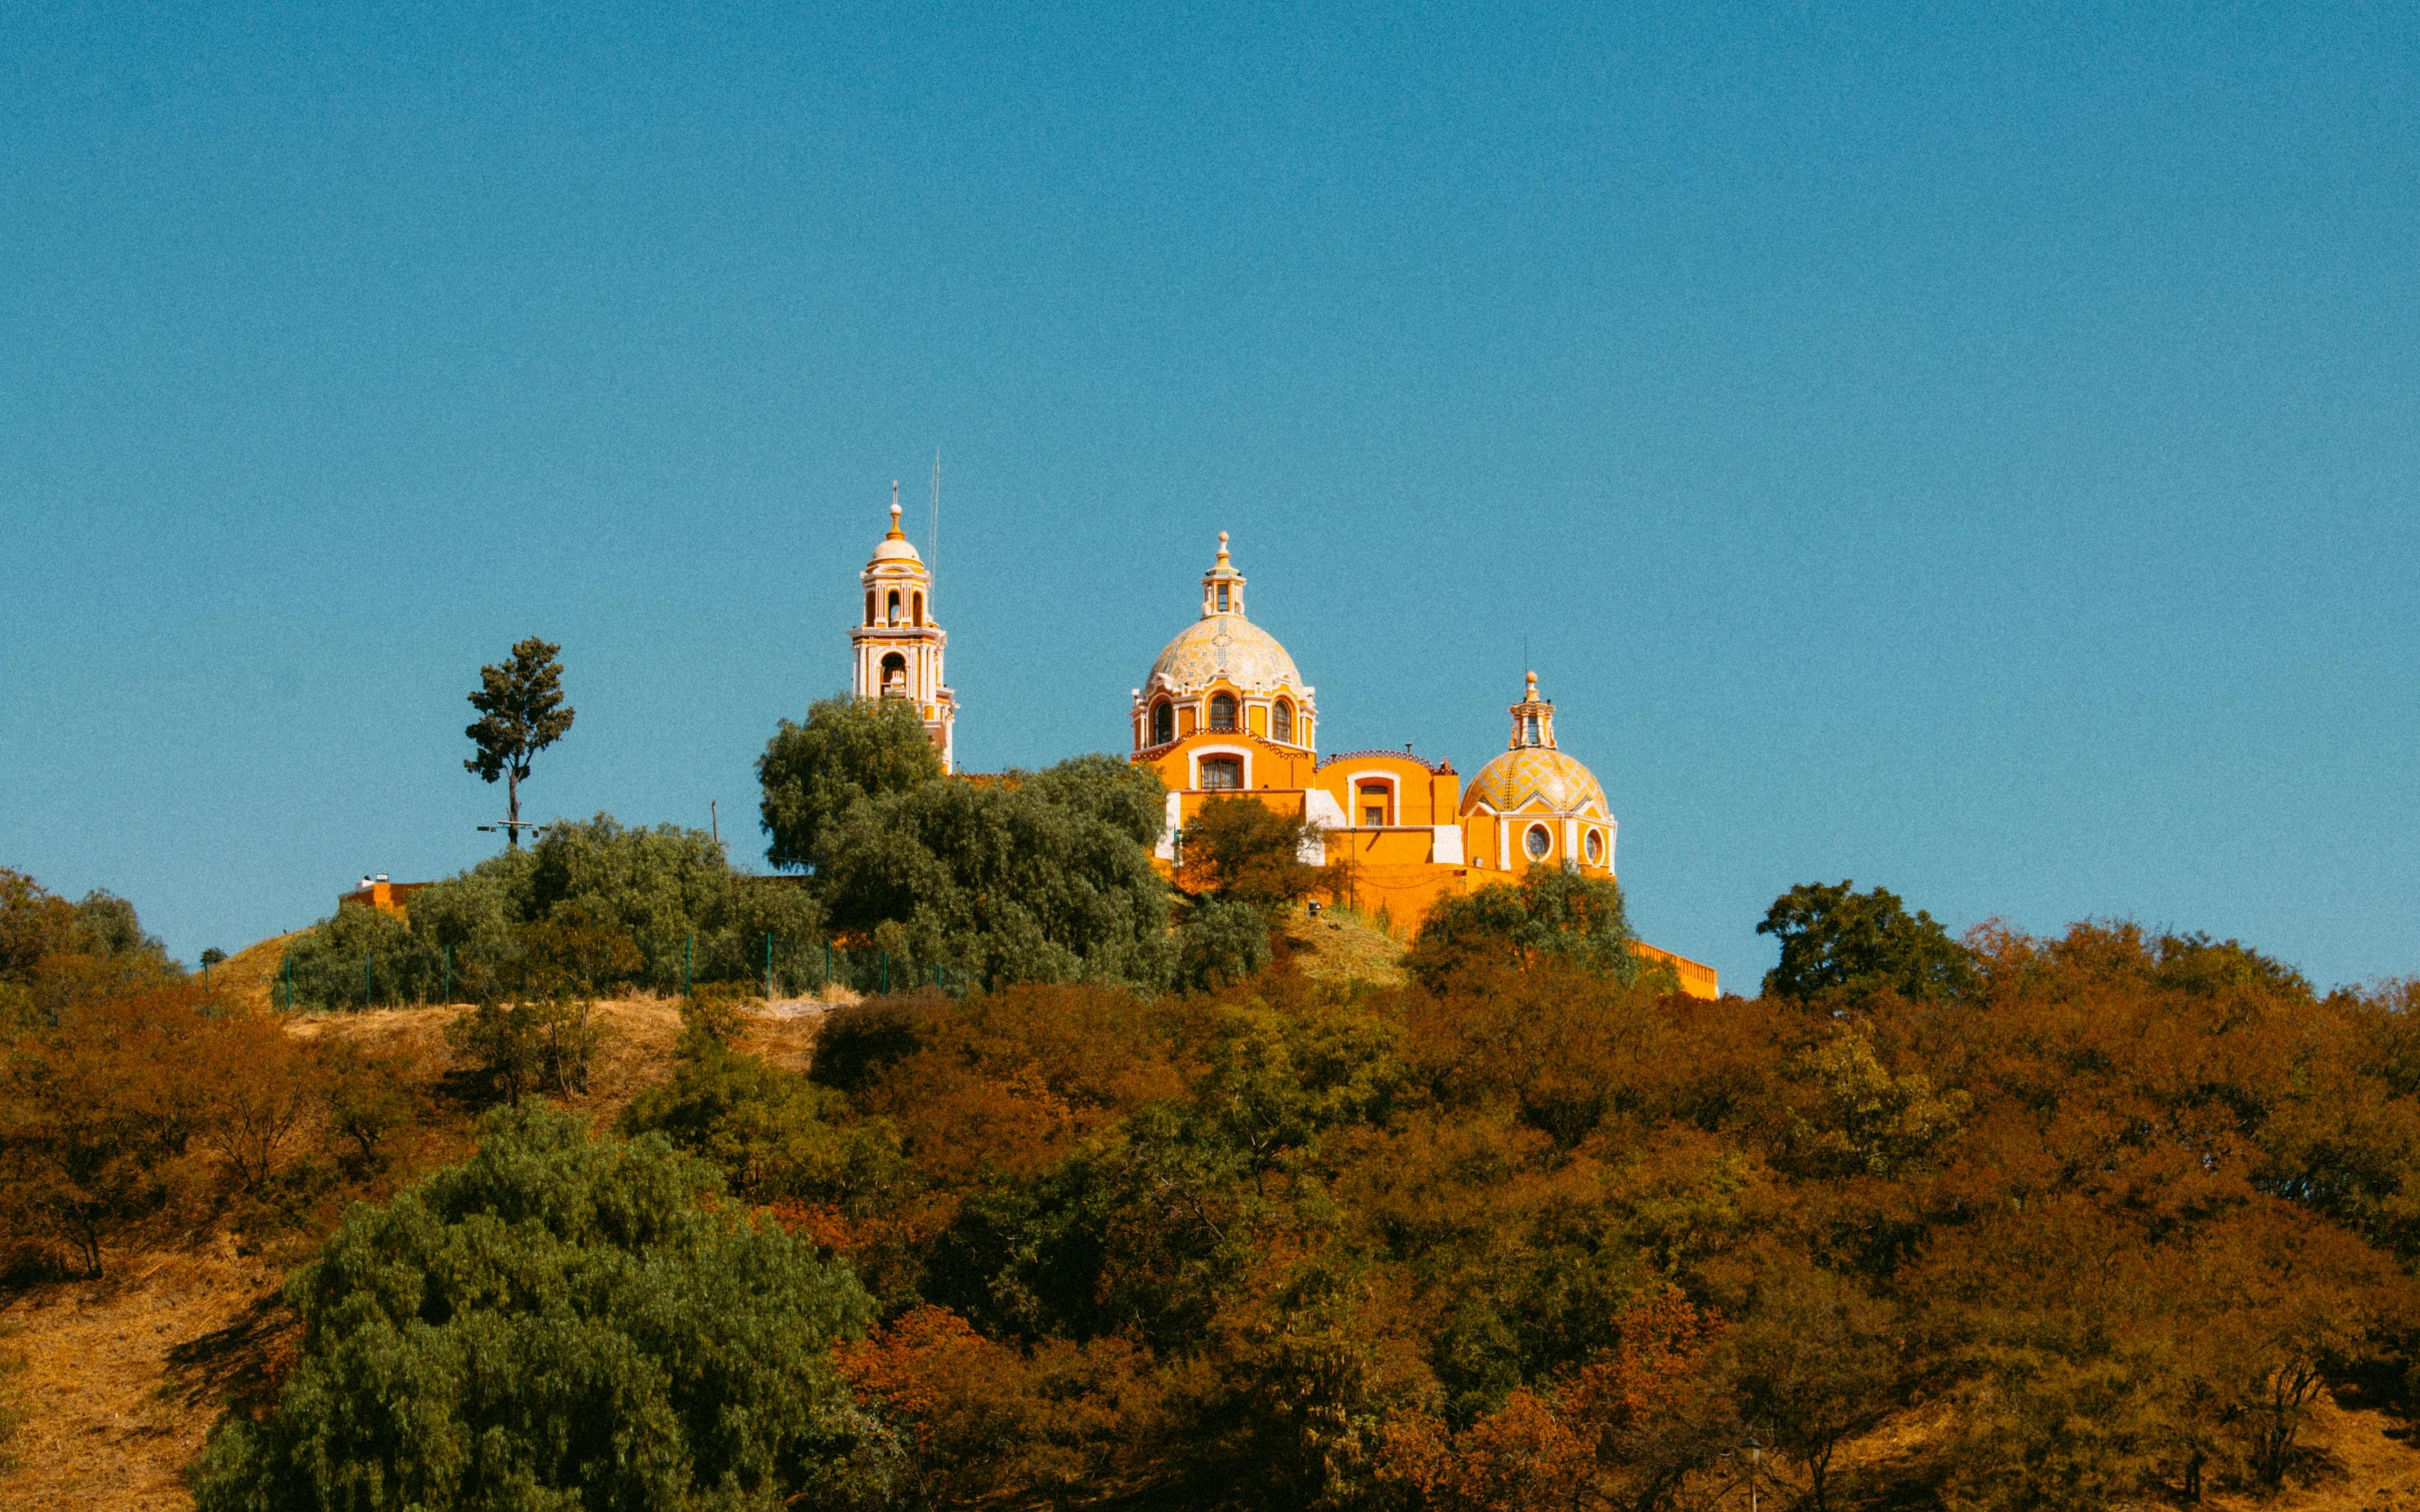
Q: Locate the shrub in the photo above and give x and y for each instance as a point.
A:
(559, 1322)
(1554, 912)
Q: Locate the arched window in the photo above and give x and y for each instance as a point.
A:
(1595, 847)
(1537, 842)
(917, 616)
(894, 676)
(1163, 723)
(1224, 773)
(893, 606)
(1281, 723)
(1222, 712)
(1222, 598)
(1529, 729)
(869, 606)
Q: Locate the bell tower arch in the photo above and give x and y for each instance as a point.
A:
(897, 644)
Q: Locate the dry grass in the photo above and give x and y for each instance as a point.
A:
(1342, 946)
(124, 1377)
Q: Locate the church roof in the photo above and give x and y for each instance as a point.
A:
(1537, 780)
(1226, 646)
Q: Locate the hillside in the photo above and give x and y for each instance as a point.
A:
(2107, 1219)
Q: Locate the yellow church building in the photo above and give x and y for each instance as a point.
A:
(1223, 713)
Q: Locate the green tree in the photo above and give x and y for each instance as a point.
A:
(560, 1322)
(1001, 881)
(848, 750)
(1247, 853)
(522, 712)
(1553, 912)
(1222, 943)
(1833, 937)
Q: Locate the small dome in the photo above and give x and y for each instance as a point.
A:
(895, 548)
(1537, 780)
(1225, 646)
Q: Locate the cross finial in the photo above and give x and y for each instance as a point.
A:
(895, 509)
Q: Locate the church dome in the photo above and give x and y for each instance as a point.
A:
(1534, 778)
(1532, 775)
(1225, 646)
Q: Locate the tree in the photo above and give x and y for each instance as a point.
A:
(848, 750)
(1221, 944)
(1000, 880)
(522, 712)
(1814, 1364)
(1247, 853)
(1554, 911)
(1833, 937)
(558, 1322)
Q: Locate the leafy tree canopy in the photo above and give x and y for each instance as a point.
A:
(560, 1322)
(1554, 912)
(1248, 852)
(616, 903)
(1003, 880)
(1833, 937)
(522, 712)
(848, 750)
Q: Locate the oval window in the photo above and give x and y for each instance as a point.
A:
(1595, 847)
(1537, 842)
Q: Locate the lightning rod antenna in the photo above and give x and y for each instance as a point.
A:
(932, 545)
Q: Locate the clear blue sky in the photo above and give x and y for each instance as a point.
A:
(1973, 453)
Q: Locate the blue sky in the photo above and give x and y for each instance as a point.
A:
(1967, 450)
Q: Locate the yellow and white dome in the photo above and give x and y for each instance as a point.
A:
(1537, 780)
(1223, 647)
(1532, 777)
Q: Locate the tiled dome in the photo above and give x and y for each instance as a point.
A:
(1534, 779)
(1225, 646)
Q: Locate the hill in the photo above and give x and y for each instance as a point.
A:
(2106, 1219)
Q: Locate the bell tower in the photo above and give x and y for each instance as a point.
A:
(1533, 720)
(897, 644)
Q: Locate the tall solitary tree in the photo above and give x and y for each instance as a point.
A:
(522, 712)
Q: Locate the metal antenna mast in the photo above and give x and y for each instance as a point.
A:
(932, 545)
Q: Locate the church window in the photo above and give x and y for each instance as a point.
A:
(869, 606)
(1377, 798)
(1222, 598)
(1222, 712)
(1282, 725)
(917, 615)
(1163, 723)
(893, 606)
(1595, 847)
(1529, 729)
(1537, 842)
(1225, 774)
(894, 676)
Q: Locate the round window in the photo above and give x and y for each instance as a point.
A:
(1596, 849)
(1537, 842)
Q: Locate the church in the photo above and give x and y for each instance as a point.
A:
(1224, 711)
